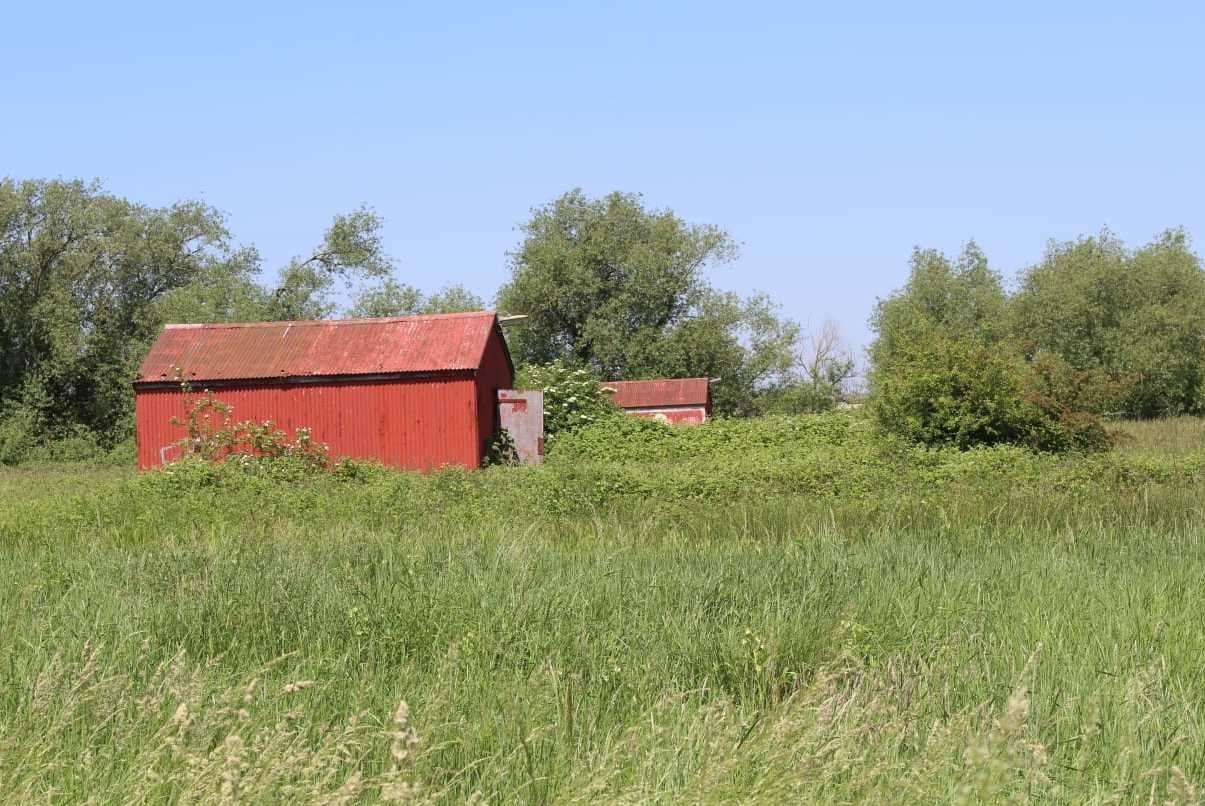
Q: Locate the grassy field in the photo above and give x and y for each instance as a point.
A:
(763, 612)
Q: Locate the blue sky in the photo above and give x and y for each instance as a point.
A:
(828, 142)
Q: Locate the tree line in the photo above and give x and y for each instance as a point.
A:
(87, 279)
(1095, 330)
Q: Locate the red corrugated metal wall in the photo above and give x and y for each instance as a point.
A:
(412, 423)
(686, 415)
(495, 373)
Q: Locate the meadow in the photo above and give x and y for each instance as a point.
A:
(766, 611)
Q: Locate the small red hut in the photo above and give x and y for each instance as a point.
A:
(671, 400)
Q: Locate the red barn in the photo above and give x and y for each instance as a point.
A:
(416, 392)
(671, 400)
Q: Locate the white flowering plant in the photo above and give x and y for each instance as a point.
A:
(573, 396)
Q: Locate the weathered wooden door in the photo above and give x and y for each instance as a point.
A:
(521, 412)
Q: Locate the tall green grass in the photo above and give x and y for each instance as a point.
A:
(1173, 435)
(952, 628)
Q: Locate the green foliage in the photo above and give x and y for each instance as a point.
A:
(610, 285)
(804, 396)
(351, 248)
(962, 298)
(944, 390)
(212, 434)
(452, 299)
(1094, 329)
(395, 299)
(390, 298)
(573, 398)
(1086, 390)
(944, 372)
(222, 291)
(26, 441)
(601, 279)
(640, 440)
(19, 432)
(80, 273)
(1129, 321)
(500, 450)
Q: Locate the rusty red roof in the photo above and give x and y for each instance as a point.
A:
(660, 393)
(411, 344)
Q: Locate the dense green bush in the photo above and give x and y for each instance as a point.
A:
(25, 439)
(1128, 320)
(641, 440)
(944, 370)
(1089, 390)
(942, 390)
(18, 432)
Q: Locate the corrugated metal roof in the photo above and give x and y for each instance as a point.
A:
(412, 344)
(660, 392)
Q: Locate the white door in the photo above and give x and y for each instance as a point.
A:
(521, 412)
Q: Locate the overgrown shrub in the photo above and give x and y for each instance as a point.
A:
(572, 397)
(721, 441)
(943, 390)
(76, 444)
(1092, 390)
(213, 434)
(18, 436)
(500, 450)
(25, 438)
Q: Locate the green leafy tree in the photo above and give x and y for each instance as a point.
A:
(963, 297)
(351, 250)
(1130, 321)
(610, 285)
(944, 370)
(392, 298)
(81, 273)
(453, 299)
(223, 291)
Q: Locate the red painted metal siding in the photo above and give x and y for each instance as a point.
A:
(661, 393)
(412, 423)
(494, 373)
(685, 415)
